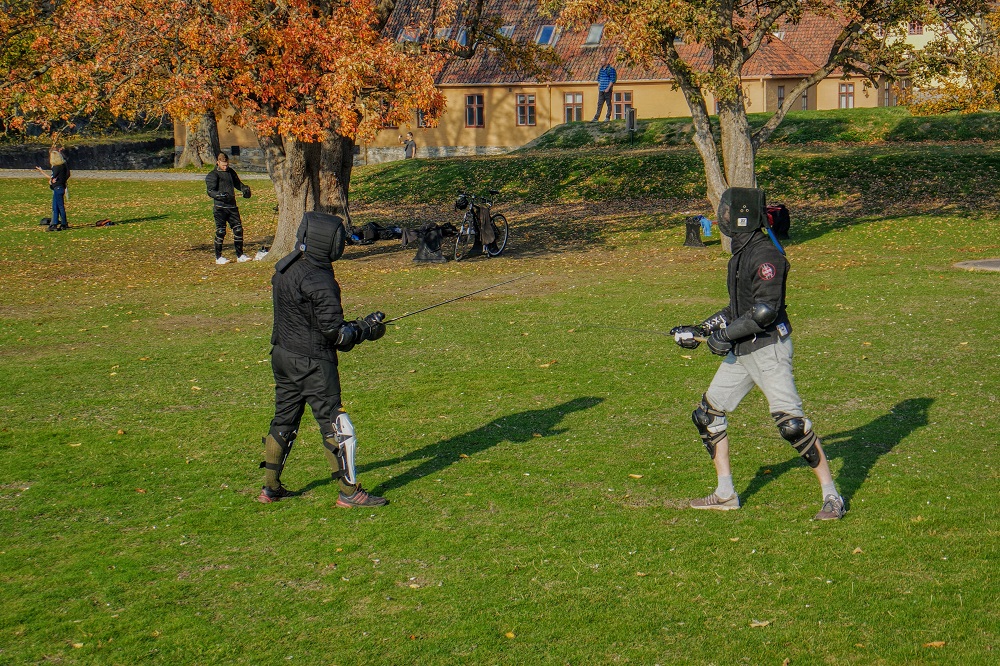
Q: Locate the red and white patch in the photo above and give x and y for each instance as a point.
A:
(766, 271)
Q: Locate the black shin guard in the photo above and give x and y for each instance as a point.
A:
(706, 419)
(797, 431)
(277, 446)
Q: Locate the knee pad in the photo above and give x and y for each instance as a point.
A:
(342, 443)
(711, 425)
(797, 431)
(277, 446)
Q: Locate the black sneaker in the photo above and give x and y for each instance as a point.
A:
(360, 498)
(268, 495)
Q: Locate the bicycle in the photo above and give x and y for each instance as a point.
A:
(469, 240)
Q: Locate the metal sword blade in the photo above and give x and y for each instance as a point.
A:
(452, 300)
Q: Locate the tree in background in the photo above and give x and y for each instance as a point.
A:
(871, 43)
(961, 71)
(310, 77)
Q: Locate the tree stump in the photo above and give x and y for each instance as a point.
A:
(693, 237)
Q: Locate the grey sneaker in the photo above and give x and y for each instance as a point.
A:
(360, 498)
(833, 508)
(713, 501)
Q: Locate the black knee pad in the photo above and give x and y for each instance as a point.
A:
(711, 425)
(797, 431)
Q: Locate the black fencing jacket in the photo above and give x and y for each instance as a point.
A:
(307, 310)
(223, 186)
(756, 274)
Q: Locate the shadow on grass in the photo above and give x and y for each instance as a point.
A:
(134, 220)
(859, 448)
(518, 428)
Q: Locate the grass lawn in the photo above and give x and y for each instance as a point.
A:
(538, 461)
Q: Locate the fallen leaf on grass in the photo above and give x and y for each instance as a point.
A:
(78, 645)
(549, 364)
(857, 551)
(195, 388)
(462, 455)
(687, 356)
(635, 476)
(786, 662)
(734, 538)
(759, 623)
(75, 443)
(509, 634)
(641, 574)
(121, 432)
(141, 491)
(935, 644)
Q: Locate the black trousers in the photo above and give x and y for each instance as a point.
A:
(299, 380)
(602, 99)
(230, 216)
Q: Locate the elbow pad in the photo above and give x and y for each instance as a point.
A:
(763, 314)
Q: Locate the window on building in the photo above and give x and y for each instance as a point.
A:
(805, 99)
(474, 116)
(421, 118)
(847, 95)
(916, 28)
(408, 34)
(781, 96)
(507, 31)
(573, 107)
(594, 35)
(887, 99)
(442, 33)
(526, 109)
(463, 37)
(546, 35)
(622, 103)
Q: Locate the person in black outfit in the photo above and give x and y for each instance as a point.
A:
(753, 335)
(223, 183)
(309, 331)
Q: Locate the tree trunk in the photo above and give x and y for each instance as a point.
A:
(307, 176)
(201, 145)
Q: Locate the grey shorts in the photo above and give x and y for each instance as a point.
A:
(770, 368)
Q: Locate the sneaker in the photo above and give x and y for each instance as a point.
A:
(360, 498)
(243, 258)
(833, 508)
(268, 495)
(713, 501)
(221, 260)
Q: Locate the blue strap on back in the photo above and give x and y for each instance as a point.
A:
(774, 240)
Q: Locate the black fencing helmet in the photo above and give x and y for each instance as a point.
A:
(321, 236)
(743, 210)
(462, 202)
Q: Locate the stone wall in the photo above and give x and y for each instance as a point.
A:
(378, 155)
(124, 155)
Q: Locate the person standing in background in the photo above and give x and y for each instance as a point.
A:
(57, 183)
(605, 87)
(409, 146)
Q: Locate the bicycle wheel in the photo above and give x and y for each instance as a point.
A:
(498, 245)
(463, 241)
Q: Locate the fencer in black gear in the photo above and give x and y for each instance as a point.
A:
(309, 331)
(222, 184)
(753, 335)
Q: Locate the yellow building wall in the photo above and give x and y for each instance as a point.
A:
(828, 93)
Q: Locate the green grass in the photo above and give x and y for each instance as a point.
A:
(505, 428)
(876, 125)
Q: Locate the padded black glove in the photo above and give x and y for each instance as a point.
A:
(348, 336)
(719, 343)
(246, 191)
(376, 329)
(685, 336)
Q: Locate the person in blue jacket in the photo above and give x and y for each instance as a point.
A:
(605, 86)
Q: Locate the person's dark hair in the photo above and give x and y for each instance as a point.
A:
(222, 157)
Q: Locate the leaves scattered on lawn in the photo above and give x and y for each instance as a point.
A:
(759, 623)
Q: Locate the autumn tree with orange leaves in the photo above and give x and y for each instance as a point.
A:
(870, 43)
(310, 77)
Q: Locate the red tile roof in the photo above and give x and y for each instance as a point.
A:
(801, 49)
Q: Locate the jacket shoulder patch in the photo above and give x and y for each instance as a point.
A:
(766, 271)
